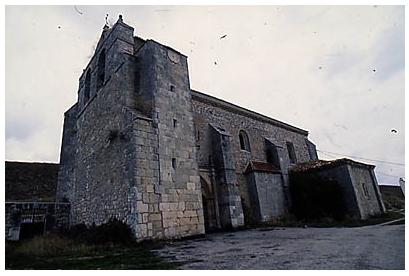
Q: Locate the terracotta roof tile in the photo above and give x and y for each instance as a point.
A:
(261, 167)
(318, 164)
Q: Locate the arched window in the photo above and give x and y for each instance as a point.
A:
(291, 152)
(272, 154)
(101, 70)
(244, 141)
(87, 86)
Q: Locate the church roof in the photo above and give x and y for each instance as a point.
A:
(319, 164)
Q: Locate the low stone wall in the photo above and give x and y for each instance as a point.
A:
(49, 216)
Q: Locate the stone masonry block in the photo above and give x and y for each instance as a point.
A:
(150, 188)
(181, 206)
(191, 186)
(153, 217)
(194, 179)
(157, 225)
(192, 205)
(145, 217)
(170, 215)
(142, 207)
(141, 230)
(170, 232)
(190, 213)
(169, 223)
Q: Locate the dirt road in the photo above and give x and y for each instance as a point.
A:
(370, 247)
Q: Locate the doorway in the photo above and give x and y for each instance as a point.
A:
(209, 205)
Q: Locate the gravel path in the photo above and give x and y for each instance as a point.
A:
(370, 247)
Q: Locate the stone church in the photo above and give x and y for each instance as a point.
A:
(142, 146)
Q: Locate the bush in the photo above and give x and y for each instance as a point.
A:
(314, 197)
(77, 232)
(79, 239)
(114, 231)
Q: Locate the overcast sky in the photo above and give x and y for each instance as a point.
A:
(335, 71)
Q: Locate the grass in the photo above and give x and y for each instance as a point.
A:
(398, 222)
(393, 202)
(330, 222)
(55, 252)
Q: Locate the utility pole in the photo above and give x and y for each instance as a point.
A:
(402, 185)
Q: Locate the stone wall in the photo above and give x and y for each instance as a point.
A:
(66, 173)
(49, 216)
(144, 197)
(104, 154)
(231, 119)
(342, 175)
(367, 192)
(181, 198)
(267, 196)
(209, 110)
